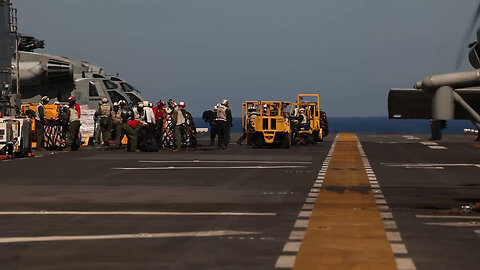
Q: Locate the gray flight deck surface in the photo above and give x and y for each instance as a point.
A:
(251, 210)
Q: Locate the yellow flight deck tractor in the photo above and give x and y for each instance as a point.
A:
(54, 133)
(309, 124)
(266, 123)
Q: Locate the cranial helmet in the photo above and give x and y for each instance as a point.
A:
(45, 99)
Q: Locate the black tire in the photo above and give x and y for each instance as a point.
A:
(286, 141)
(310, 139)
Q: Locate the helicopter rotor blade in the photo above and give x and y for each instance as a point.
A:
(466, 38)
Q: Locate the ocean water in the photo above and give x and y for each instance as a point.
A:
(372, 125)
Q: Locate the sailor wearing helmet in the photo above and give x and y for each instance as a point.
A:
(105, 113)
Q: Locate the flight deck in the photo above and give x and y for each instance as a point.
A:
(354, 201)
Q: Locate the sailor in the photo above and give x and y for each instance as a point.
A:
(436, 127)
(40, 122)
(168, 127)
(73, 142)
(180, 126)
(159, 112)
(130, 127)
(224, 122)
(304, 121)
(116, 116)
(148, 117)
(138, 111)
(105, 113)
(301, 121)
(251, 116)
(63, 122)
(189, 140)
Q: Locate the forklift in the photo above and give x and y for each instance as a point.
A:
(315, 127)
(266, 123)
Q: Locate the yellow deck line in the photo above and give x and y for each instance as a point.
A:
(345, 229)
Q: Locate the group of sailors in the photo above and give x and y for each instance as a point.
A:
(68, 118)
(166, 126)
(148, 128)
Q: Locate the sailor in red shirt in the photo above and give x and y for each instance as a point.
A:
(159, 111)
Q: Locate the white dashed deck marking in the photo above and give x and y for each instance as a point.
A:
(405, 264)
(297, 235)
(437, 147)
(285, 261)
(291, 247)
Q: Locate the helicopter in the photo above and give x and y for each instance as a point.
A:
(444, 96)
(58, 77)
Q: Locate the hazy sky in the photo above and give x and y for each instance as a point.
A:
(201, 51)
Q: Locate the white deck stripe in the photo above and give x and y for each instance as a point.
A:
(301, 223)
(225, 161)
(308, 206)
(138, 213)
(451, 217)
(122, 236)
(394, 236)
(405, 264)
(437, 147)
(455, 224)
(297, 235)
(389, 224)
(305, 214)
(399, 249)
(429, 143)
(285, 261)
(209, 168)
(291, 247)
(428, 164)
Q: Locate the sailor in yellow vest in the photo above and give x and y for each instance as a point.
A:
(40, 123)
(224, 122)
(73, 116)
(180, 125)
(105, 113)
(117, 124)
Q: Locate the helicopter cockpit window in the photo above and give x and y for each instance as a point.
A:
(110, 85)
(96, 75)
(115, 96)
(133, 98)
(126, 87)
(92, 90)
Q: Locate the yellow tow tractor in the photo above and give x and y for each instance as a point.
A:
(310, 124)
(266, 123)
(54, 133)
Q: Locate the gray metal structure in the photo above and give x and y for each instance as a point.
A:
(443, 96)
(8, 30)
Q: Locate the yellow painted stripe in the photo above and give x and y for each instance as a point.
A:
(345, 229)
